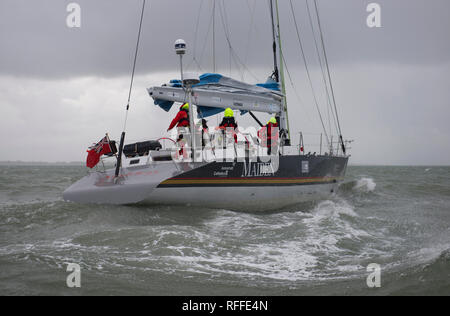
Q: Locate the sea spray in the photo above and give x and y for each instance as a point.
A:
(365, 185)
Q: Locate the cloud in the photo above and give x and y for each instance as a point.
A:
(56, 120)
(395, 115)
(61, 89)
(36, 41)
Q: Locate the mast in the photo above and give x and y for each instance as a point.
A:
(279, 70)
(214, 35)
(274, 45)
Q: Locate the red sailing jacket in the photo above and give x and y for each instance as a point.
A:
(182, 119)
(265, 133)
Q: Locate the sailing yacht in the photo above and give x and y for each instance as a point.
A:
(218, 172)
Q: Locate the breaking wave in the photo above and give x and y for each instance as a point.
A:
(365, 185)
(361, 185)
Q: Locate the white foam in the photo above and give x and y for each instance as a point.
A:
(276, 261)
(326, 209)
(365, 185)
(290, 246)
(268, 254)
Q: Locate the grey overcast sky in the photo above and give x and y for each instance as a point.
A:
(62, 88)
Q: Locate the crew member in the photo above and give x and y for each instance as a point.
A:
(182, 123)
(182, 118)
(269, 135)
(229, 124)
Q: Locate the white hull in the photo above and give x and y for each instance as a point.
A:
(241, 198)
(162, 183)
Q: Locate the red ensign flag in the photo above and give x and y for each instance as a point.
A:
(96, 151)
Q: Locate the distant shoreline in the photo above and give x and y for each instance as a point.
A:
(41, 163)
(82, 163)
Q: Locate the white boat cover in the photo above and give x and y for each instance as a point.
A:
(216, 92)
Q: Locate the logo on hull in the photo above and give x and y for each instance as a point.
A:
(258, 169)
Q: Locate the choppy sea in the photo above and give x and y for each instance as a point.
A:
(396, 217)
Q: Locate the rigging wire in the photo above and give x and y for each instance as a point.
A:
(122, 137)
(323, 71)
(307, 71)
(233, 54)
(195, 39)
(134, 64)
(329, 76)
(227, 33)
(229, 48)
(230, 57)
(236, 58)
(294, 89)
(252, 18)
(205, 41)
